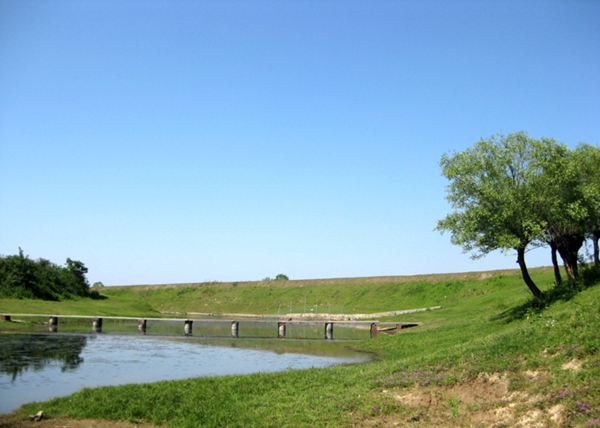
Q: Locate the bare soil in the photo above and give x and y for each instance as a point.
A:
(484, 402)
(16, 421)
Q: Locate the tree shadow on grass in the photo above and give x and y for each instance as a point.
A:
(589, 277)
(95, 295)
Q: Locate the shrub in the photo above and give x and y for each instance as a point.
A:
(23, 278)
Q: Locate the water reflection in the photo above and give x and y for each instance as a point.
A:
(37, 367)
(21, 352)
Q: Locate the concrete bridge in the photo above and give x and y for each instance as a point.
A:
(279, 325)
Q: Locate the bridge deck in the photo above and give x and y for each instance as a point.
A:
(217, 318)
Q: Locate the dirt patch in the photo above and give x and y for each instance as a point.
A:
(573, 365)
(485, 401)
(484, 389)
(11, 421)
(535, 375)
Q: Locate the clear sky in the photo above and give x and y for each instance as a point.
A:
(182, 141)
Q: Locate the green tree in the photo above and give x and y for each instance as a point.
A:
(18, 276)
(588, 164)
(281, 277)
(76, 282)
(568, 205)
(48, 279)
(493, 194)
(21, 277)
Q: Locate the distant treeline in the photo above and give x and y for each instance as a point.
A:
(23, 278)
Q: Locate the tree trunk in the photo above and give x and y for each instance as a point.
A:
(537, 293)
(568, 247)
(595, 238)
(557, 276)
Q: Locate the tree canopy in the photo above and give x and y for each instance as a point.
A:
(515, 192)
(21, 277)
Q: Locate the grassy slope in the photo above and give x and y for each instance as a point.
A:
(353, 295)
(106, 307)
(482, 359)
(350, 295)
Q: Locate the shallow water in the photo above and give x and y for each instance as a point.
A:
(213, 327)
(37, 367)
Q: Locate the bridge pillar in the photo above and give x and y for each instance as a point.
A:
(187, 328)
(373, 330)
(235, 328)
(142, 326)
(97, 325)
(53, 324)
(329, 330)
(281, 330)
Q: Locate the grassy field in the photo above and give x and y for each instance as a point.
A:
(488, 357)
(334, 296)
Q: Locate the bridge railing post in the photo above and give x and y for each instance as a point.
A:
(187, 327)
(281, 330)
(53, 324)
(329, 330)
(97, 325)
(373, 330)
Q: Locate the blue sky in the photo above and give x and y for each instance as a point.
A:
(176, 141)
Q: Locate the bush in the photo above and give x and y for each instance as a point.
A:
(95, 295)
(23, 278)
(590, 274)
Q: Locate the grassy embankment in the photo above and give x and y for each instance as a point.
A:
(487, 358)
(335, 296)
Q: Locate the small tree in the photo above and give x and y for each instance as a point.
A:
(281, 277)
(493, 193)
(74, 278)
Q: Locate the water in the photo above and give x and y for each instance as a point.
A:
(213, 327)
(37, 367)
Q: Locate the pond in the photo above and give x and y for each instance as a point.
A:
(40, 366)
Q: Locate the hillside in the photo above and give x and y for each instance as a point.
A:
(333, 296)
(488, 357)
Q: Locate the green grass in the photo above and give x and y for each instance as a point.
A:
(82, 306)
(486, 327)
(346, 296)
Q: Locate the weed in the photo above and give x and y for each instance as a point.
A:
(452, 406)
